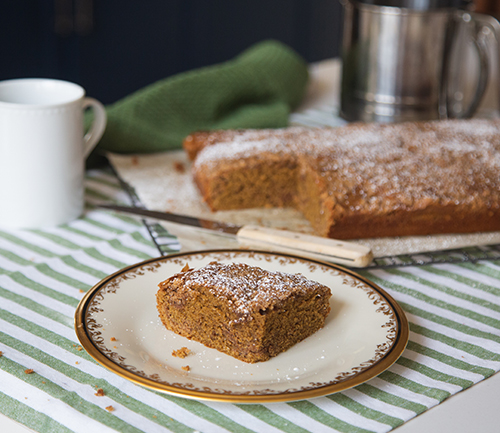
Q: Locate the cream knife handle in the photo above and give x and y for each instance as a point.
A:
(325, 249)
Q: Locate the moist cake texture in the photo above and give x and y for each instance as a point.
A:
(361, 180)
(244, 311)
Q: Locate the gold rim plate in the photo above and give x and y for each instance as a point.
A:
(117, 323)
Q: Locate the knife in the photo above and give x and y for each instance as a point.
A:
(325, 249)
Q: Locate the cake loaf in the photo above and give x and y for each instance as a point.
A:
(361, 180)
(244, 311)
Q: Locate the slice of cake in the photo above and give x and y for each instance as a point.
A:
(244, 311)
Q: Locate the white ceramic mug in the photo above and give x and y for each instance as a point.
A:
(43, 150)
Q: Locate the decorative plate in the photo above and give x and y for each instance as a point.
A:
(117, 323)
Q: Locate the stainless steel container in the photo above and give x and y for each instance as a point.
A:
(402, 59)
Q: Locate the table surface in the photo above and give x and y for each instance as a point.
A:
(475, 410)
(453, 312)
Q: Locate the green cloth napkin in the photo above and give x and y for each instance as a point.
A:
(257, 89)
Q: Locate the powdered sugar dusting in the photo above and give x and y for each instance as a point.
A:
(477, 127)
(249, 288)
(383, 167)
(237, 149)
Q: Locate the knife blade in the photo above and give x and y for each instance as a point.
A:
(316, 247)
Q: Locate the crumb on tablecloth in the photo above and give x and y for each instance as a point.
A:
(186, 368)
(99, 393)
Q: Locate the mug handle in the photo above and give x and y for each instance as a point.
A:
(483, 25)
(493, 25)
(94, 134)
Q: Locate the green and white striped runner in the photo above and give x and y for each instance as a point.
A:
(454, 314)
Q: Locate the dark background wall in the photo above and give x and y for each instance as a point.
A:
(113, 47)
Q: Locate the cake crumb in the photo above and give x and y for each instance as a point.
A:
(185, 268)
(29, 371)
(113, 339)
(181, 353)
(179, 167)
(1, 353)
(99, 393)
(186, 368)
(110, 408)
